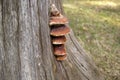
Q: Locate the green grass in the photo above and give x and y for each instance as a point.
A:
(96, 25)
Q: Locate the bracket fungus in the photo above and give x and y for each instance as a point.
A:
(58, 20)
(59, 40)
(60, 58)
(58, 31)
(59, 50)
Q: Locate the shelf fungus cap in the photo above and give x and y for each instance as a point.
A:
(61, 58)
(59, 50)
(58, 20)
(56, 17)
(54, 11)
(58, 40)
(60, 30)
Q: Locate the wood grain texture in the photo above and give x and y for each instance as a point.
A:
(25, 45)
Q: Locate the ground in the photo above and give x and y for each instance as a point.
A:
(96, 24)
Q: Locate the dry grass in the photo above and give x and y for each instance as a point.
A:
(96, 24)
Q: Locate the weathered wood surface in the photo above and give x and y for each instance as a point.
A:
(25, 45)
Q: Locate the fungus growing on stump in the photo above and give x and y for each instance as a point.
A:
(58, 20)
(58, 31)
(58, 40)
(60, 58)
(59, 50)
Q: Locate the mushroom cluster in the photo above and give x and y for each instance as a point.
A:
(58, 31)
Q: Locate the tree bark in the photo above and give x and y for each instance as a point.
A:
(25, 45)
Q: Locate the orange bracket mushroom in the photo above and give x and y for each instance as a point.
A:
(58, 40)
(58, 31)
(59, 50)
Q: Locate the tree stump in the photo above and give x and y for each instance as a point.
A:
(25, 45)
